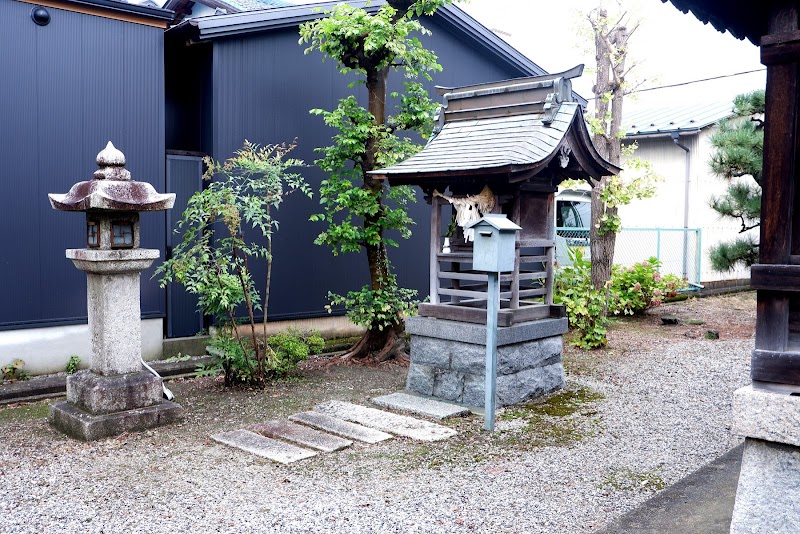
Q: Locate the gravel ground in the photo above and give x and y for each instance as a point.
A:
(636, 418)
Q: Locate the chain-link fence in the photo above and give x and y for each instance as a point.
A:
(678, 249)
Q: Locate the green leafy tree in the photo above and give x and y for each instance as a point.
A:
(213, 261)
(738, 156)
(358, 210)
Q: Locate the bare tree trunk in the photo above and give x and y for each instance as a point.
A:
(610, 54)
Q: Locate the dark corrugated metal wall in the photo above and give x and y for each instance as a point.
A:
(263, 87)
(67, 89)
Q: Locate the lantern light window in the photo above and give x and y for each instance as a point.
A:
(122, 234)
(92, 234)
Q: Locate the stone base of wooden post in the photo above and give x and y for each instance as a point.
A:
(448, 360)
(768, 496)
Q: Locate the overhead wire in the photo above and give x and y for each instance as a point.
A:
(693, 81)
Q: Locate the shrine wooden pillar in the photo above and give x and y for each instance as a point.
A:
(767, 413)
(776, 357)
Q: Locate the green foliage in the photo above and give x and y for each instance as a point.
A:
(360, 212)
(73, 363)
(284, 351)
(293, 346)
(637, 288)
(630, 291)
(585, 305)
(738, 152)
(14, 371)
(376, 309)
(725, 256)
(213, 259)
(637, 181)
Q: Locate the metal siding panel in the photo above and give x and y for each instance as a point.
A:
(60, 156)
(19, 291)
(80, 81)
(184, 178)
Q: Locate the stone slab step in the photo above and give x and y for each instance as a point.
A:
(302, 435)
(277, 451)
(400, 425)
(341, 427)
(418, 405)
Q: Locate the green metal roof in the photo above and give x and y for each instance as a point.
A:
(676, 118)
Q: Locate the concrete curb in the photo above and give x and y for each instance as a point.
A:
(46, 387)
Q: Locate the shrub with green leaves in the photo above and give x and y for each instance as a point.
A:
(283, 352)
(224, 227)
(72, 364)
(14, 371)
(641, 286)
(585, 305)
(630, 291)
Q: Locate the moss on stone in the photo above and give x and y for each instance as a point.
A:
(624, 479)
(24, 412)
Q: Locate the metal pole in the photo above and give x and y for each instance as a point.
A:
(492, 302)
(658, 244)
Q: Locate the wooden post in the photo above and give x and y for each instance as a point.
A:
(435, 249)
(780, 52)
(550, 252)
(515, 218)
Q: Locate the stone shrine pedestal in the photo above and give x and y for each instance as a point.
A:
(768, 495)
(115, 395)
(448, 360)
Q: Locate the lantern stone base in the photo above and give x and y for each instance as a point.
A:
(768, 495)
(100, 406)
(448, 360)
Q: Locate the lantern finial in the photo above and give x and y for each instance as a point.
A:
(112, 164)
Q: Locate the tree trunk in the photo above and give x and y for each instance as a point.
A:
(389, 342)
(610, 52)
(601, 246)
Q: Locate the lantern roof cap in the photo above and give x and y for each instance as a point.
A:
(112, 189)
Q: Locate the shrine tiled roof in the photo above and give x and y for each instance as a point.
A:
(508, 127)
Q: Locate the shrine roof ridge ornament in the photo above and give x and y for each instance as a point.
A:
(112, 188)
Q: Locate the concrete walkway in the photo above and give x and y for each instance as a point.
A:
(702, 502)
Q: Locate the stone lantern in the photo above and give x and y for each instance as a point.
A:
(115, 395)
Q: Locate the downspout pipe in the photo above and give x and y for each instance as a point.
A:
(687, 181)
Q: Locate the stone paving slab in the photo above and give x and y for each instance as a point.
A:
(277, 451)
(418, 405)
(341, 427)
(400, 425)
(302, 435)
(701, 502)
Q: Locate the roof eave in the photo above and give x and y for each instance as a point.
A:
(216, 26)
(123, 7)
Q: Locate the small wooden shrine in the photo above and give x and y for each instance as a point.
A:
(500, 147)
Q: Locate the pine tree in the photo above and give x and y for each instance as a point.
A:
(738, 154)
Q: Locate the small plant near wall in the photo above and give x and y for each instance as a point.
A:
(630, 291)
(14, 371)
(216, 257)
(284, 352)
(73, 363)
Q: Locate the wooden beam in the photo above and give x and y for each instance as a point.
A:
(777, 367)
(775, 277)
